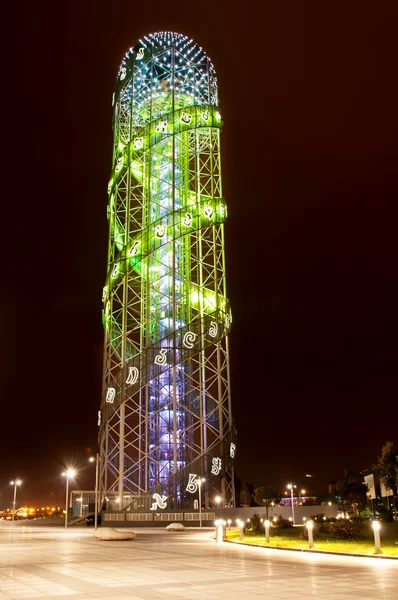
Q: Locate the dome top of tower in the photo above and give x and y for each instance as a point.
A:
(161, 40)
(165, 66)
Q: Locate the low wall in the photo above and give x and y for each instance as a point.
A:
(191, 519)
(286, 512)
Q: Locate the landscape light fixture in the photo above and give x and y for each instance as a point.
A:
(15, 483)
(68, 474)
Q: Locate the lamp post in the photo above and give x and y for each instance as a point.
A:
(69, 474)
(200, 481)
(217, 501)
(290, 487)
(96, 459)
(376, 532)
(299, 495)
(15, 483)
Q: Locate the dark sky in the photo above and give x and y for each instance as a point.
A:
(308, 92)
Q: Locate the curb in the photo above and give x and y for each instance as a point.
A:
(312, 551)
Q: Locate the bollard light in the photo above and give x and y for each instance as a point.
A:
(240, 525)
(310, 526)
(376, 532)
(219, 531)
(267, 525)
(224, 529)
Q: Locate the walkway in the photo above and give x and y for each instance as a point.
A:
(50, 563)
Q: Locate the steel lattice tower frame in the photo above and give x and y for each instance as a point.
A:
(166, 406)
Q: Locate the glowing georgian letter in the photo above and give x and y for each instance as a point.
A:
(232, 450)
(216, 466)
(110, 395)
(119, 164)
(115, 270)
(187, 220)
(213, 329)
(134, 248)
(189, 339)
(185, 117)
(161, 127)
(208, 211)
(160, 230)
(140, 53)
(161, 357)
(99, 418)
(122, 73)
(138, 143)
(193, 484)
(132, 376)
(160, 502)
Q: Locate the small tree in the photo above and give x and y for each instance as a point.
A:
(266, 496)
(352, 491)
(387, 466)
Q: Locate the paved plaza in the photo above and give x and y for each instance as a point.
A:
(38, 562)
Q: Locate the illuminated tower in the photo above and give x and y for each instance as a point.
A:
(166, 409)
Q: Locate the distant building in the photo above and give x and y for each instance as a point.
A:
(82, 502)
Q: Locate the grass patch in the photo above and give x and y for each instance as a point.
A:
(290, 538)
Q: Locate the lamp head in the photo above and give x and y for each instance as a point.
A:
(69, 473)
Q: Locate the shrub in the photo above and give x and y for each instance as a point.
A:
(322, 522)
(343, 530)
(318, 517)
(254, 525)
(282, 523)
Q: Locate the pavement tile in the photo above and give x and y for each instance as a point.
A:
(56, 565)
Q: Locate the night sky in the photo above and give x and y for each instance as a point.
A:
(308, 93)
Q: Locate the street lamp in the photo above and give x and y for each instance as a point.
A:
(96, 459)
(290, 487)
(69, 474)
(200, 481)
(299, 495)
(15, 483)
(217, 501)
